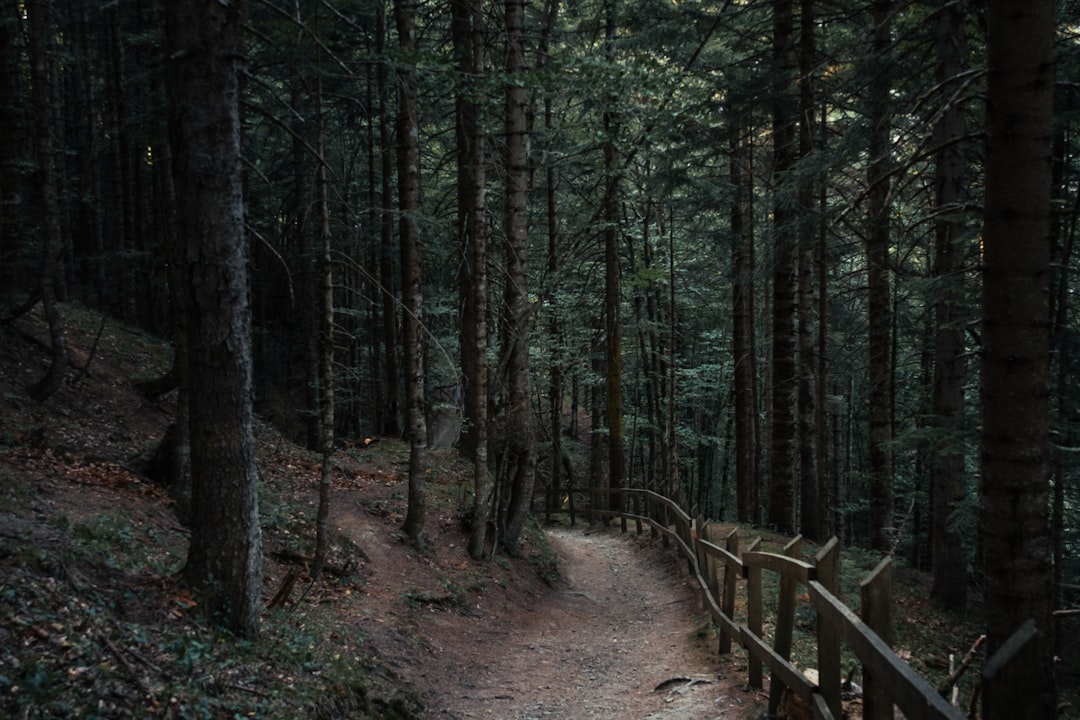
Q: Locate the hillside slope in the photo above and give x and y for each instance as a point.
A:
(96, 623)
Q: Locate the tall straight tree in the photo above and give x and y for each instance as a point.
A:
(468, 35)
(520, 452)
(1014, 483)
(42, 93)
(742, 303)
(879, 307)
(783, 460)
(412, 297)
(947, 461)
(612, 275)
(391, 414)
(809, 430)
(224, 563)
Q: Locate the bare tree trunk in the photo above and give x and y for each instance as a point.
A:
(38, 38)
(408, 155)
(879, 308)
(745, 373)
(1014, 487)
(326, 347)
(947, 457)
(468, 31)
(392, 421)
(520, 434)
(224, 562)
(612, 279)
(810, 432)
(783, 459)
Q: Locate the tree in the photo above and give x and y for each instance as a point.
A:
(783, 460)
(468, 32)
(38, 36)
(519, 460)
(1014, 445)
(879, 309)
(947, 458)
(613, 363)
(408, 168)
(224, 562)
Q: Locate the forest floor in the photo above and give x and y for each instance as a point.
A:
(96, 622)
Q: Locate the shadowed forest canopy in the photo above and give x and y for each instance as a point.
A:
(729, 251)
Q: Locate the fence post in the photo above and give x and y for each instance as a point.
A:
(785, 621)
(730, 587)
(876, 612)
(1013, 678)
(622, 509)
(753, 613)
(827, 562)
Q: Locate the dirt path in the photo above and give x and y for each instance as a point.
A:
(615, 640)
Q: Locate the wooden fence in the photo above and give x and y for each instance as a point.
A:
(887, 680)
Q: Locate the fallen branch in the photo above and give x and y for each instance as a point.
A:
(955, 675)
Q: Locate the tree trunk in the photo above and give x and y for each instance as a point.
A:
(10, 177)
(42, 91)
(325, 318)
(809, 430)
(408, 157)
(612, 280)
(391, 415)
(224, 561)
(879, 308)
(520, 440)
(468, 33)
(745, 373)
(947, 457)
(1014, 486)
(783, 460)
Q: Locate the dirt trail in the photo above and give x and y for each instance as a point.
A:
(615, 640)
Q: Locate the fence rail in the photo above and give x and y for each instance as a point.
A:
(887, 680)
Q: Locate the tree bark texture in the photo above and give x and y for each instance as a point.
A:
(41, 81)
(783, 460)
(879, 308)
(408, 167)
(612, 279)
(520, 455)
(224, 561)
(1014, 486)
(947, 457)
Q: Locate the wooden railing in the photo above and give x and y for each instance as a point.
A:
(887, 680)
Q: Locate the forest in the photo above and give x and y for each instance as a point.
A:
(798, 264)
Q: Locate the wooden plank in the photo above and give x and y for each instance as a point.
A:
(914, 695)
(753, 619)
(876, 612)
(1014, 679)
(788, 675)
(729, 558)
(827, 562)
(820, 707)
(802, 571)
(732, 573)
(785, 621)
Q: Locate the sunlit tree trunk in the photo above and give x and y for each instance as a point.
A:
(408, 166)
(1014, 445)
(224, 563)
